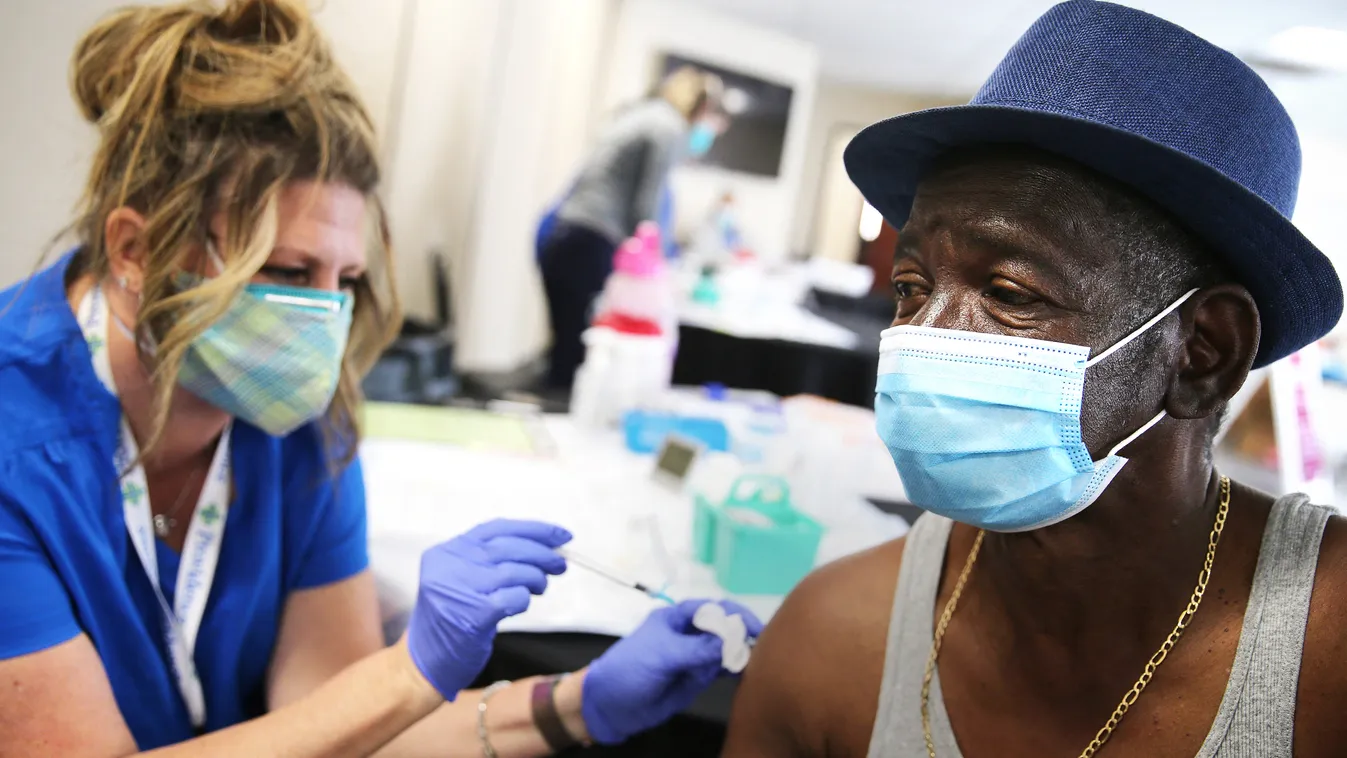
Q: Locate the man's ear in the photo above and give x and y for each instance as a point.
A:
(1221, 331)
(123, 234)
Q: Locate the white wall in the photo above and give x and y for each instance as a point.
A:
(1318, 105)
(765, 206)
(1322, 207)
(44, 143)
(837, 205)
(838, 107)
(558, 70)
(1323, 196)
(483, 107)
(433, 148)
(365, 37)
(538, 117)
(45, 146)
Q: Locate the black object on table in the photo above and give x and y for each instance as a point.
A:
(417, 368)
(785, 367)
(699, 731)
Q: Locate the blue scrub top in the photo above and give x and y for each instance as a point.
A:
(66, 562)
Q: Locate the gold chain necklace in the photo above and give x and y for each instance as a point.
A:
(1106, 731)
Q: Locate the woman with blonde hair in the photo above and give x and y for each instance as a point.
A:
(182, 522)
(618, 187)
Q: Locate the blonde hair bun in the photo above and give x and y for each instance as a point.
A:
(247, 58)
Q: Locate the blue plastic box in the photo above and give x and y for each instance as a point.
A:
(646, 430)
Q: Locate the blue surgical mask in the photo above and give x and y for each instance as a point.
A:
(700, 139)
(985, 428)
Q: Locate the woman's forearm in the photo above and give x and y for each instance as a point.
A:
(352, 715)
(451, 731)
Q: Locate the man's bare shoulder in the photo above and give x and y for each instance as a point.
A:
(1320, 728)
(1324, 638)
(850, 598)
(852, 594)
(812, 686)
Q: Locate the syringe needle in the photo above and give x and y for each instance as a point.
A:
(587, 563)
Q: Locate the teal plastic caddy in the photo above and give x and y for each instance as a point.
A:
(755, 540)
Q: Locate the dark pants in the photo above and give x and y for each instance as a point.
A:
(575, 261)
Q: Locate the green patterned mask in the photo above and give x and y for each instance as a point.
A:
(274, 358)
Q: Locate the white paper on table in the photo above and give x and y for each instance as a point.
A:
(421, 494)
(849, 279)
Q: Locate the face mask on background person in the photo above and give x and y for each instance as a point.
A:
(985, 428)
(701, 137)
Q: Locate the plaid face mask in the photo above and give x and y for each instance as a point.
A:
(274, 358)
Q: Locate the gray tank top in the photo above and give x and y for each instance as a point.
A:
(1257, 715)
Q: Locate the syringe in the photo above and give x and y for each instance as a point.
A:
(587, 563)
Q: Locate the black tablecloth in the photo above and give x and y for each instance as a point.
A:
(790, 368)
(698, 733)
(781, 367)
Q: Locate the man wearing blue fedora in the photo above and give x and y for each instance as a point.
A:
(1093, 255)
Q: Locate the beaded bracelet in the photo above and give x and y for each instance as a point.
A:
(487, 750)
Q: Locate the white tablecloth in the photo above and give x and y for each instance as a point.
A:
(758, 304)
(420, 494)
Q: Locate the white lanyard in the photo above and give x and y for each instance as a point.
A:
(200, 553)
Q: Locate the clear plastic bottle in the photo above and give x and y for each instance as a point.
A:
(621, 372)
(640, 296)
(641, 287)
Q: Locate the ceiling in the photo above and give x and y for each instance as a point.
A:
(949, 46)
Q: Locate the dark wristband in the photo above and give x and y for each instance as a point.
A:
(546, 718)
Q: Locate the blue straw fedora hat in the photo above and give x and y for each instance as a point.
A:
(1152, 105)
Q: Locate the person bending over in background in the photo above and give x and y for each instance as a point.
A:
(182, 518)
(618, 187)
(1060, 599)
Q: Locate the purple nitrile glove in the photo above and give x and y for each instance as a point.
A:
(468, 586)
(654, 673)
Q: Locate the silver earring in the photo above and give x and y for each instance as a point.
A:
(125, 283)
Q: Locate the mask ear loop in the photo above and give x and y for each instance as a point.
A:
(124, 284)
(1146, 427)
(1120, 344)
(213, 255)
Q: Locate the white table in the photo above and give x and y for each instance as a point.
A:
(420, 494)
(759, 304)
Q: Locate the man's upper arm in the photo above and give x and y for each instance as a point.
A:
(1320, 729)
(812, 685)
(772, 706)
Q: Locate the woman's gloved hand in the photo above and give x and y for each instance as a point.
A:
(468, 586)
(655, 672)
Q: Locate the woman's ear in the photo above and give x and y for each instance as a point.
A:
(1221, 331)
(123, 234)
